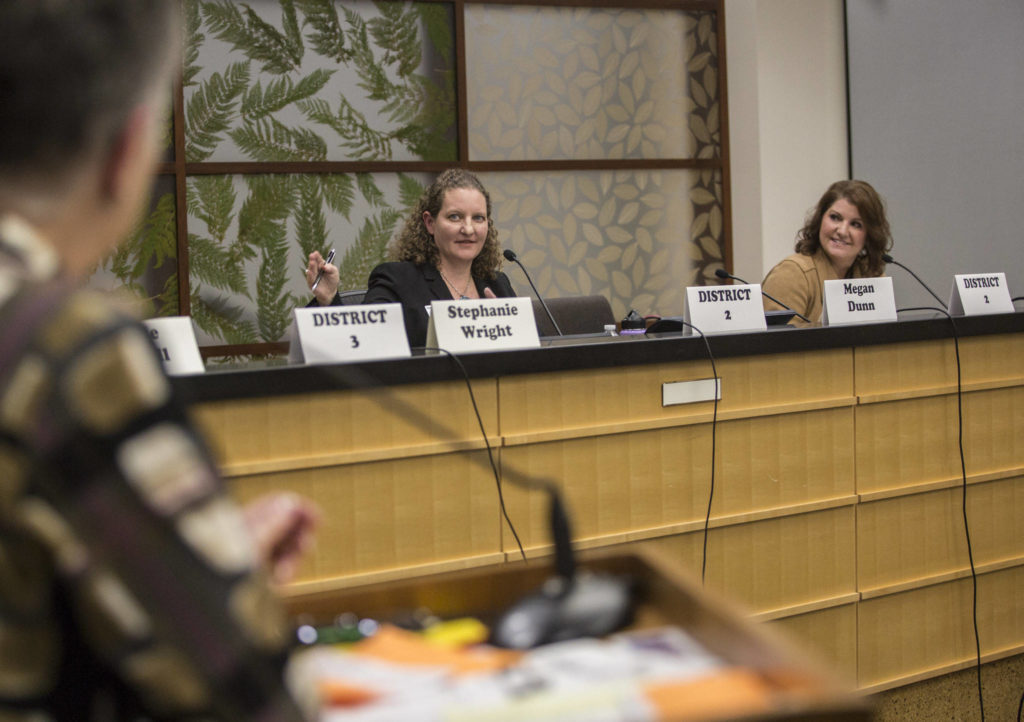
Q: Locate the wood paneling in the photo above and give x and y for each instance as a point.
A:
(836, 512)
(928, 631)
(830, 634)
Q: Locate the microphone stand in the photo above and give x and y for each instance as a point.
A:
(889, 259)
(510, 255)
(722, 273)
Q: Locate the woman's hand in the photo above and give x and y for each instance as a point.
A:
(282, 527)
(328, 285)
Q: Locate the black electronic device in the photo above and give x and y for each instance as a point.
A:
(588, 605)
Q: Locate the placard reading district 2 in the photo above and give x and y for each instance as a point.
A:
(485, 324)
(327, 334)
(724, 309)
(978, 294)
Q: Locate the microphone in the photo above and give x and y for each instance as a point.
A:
(722, 273)
(510, 255)
(889, 259)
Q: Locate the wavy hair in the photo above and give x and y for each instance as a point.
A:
(415, 244)
(877, 236)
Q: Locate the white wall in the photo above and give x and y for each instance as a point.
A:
(787, 120)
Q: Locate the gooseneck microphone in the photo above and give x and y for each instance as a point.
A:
(722, 273)
(510, 255)
(889, 259)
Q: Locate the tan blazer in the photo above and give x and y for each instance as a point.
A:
(799, 281)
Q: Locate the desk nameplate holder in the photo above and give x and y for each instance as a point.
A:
(175, 341)
(858, 300)
(333, 334)
(725, 309)
(979, 294)
(483, 324)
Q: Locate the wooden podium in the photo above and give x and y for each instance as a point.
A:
(665, 596)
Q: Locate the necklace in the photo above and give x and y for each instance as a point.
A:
(451, 286)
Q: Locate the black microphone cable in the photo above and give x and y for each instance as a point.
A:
(487, 443)
(357, 379)
(963, 476)
(714, 428)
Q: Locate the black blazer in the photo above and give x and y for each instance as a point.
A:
(415, 287)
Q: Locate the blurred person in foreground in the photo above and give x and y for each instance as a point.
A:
(130, 585)
(845, 236)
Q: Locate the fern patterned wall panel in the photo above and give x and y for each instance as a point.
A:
(250, 236)
(590, 83)
(319, 80)
(144, 268)
(622, 234)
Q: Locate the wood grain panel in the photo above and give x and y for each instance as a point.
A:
(655, 478)
(311, 426)
(594, 398)
(392, 514)
(932, 364)
(904, 443)
(829, 635)
(775, 563)
(929, 630)
(918, 536)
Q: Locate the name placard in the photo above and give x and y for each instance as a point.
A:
(858, 300)
(175, 341)
(329, 334)
(978, 294)
(484, 324)
(725, 309)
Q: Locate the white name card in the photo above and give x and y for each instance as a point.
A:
(725, 309)
(484, 324)
(858, 300)
(175, 341)
(977, 294)
(329, 334)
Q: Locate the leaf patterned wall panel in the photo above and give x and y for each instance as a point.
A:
(591, 83)
(145, 267)
(621, 234)
(319, 80)
(250, 236)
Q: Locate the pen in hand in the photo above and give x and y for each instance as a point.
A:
(320, 274)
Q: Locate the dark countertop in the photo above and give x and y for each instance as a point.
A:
(275, 378)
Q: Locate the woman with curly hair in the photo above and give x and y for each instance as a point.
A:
(844, 236)
(447, 250)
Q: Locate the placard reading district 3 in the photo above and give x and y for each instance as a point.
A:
(175, 341)
(978, 294)
(485, 324)
(328, 334)
(725, 309)
(858, 300)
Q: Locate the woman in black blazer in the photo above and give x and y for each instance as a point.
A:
(447, 250)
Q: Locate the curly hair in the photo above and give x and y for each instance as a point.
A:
(415, 244)
(877, 236)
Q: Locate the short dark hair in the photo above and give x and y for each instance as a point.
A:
(70, 73)
(877, 236)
